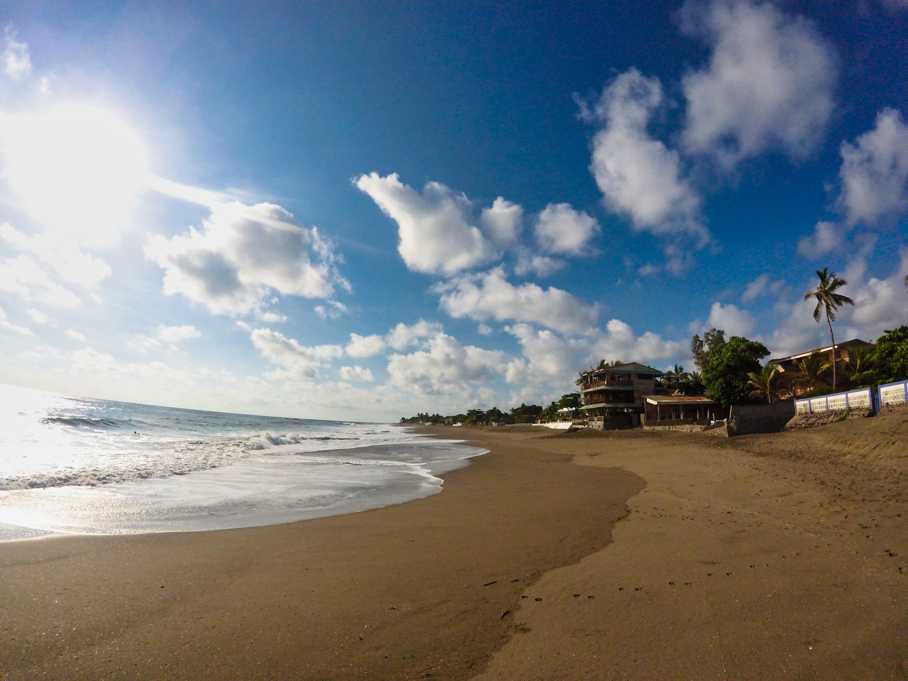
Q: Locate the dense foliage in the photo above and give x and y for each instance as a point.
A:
(567, 401)
(727, 364)
(890, 356)
(525, 413)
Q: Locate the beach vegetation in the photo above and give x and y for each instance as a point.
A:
(811, 369)
(726, 365)
(890, 355)
(763, 382)
(862, 367)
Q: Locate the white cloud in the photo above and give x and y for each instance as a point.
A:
(23, 276)
(242, 254)
(6, 325)
(549, 357)
(446, 366)
(618, 341)
(77, 336)
(365, 346)
(484, 330)
(356, 374)
(295, 359)
(17, 61)
(562, 230)
(64, 257)
(879, 303)
(489, 295)
(731, 319)
(502, 222)
(769, 82)
(638, 175)
(762, 285)
(38, 317)
(403, 336)
(550, 361)
(175, 335)
(826, 238)
(332, 309)
(874, 172)
(271, 317)
(797, 331)
(532, 263)
(435, 227)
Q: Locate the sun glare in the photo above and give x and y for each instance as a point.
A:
(76, 169)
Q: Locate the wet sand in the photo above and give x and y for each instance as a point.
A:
(426, 589)
(626, 556)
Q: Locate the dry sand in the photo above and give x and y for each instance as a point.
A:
(766, 557)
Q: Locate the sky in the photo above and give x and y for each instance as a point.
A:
(361, 210)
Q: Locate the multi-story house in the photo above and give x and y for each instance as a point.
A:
(611, 396)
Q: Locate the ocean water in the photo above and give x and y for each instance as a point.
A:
(89, 466)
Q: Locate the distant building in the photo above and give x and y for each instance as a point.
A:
(790, 374)
(612, 396)
(674, 410)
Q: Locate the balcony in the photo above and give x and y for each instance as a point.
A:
(620, 398)
(619, 382)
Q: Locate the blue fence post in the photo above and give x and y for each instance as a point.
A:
(827, 403)
(846, 401)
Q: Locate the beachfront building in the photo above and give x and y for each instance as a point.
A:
(611, 395)
(791, 379)
(681, 410)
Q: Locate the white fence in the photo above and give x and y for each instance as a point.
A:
(894, 393)
(862, 398)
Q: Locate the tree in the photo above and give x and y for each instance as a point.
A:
(762, 382)
(569, 401)
(726, 365)
(812, 368)
(694, 384)
(701, 347)
(828, 302)
(675, 378)
(526, 413)
(862, 367)
(891, 354)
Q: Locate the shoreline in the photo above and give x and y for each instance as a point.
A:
(778, 556)
(198, 504)
(387, 593)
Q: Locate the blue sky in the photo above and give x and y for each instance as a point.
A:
(200, 206)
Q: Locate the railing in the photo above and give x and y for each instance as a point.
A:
(622, 399)
(894, 393)
(887, 394)
(609, 383)
(862, 398)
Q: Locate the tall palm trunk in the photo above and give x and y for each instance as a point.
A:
(832, 336)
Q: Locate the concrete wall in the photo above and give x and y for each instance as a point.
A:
(760, 418)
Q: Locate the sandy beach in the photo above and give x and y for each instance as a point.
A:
(556, 556)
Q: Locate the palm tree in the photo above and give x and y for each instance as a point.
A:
(695, 383)
(828, 302)
(675, 377)
(812, 368)
(763, 381)
(861, 367)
